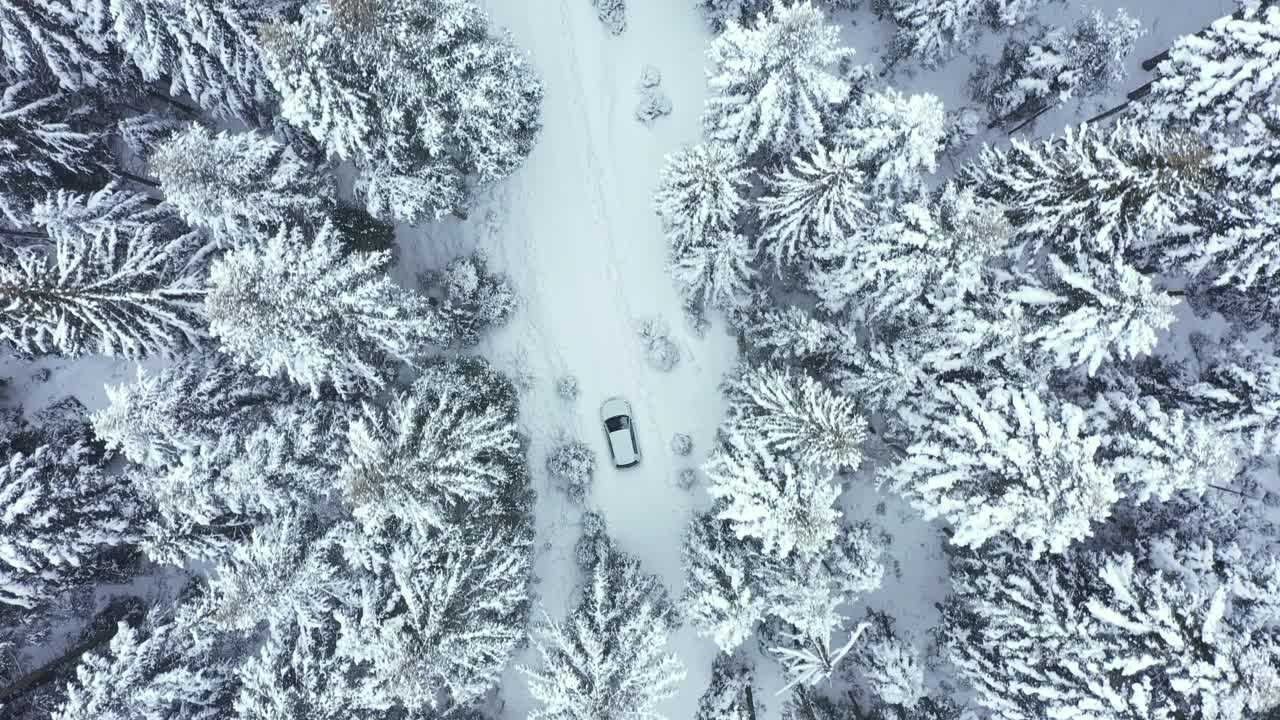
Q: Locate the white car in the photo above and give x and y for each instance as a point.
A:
(616, 415)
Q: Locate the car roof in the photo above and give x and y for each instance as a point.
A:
(624, 449)
(614, 407)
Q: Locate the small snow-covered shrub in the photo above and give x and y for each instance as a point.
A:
(650, 76)
(586, 551)
(681, 444)
(653, 104)
(663, 354)
(571, 465)
(472, 298)
(613, 13)
(567, 388)
(687, 478)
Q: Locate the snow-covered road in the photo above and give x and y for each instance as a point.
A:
(575, 230)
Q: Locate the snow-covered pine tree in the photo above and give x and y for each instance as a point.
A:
(221, 449)
(195, 406)
(1179, 627)
(812, 205)
(1104, 192)
(1239, 388)
(897, 138)
(806, 592)
(775, 83)
(239, 185)
(1156, 453)
(932, 31)
(207, 50)
(63, 523)
(721, 12)
(890, 665)
(472, 299)
(1091, 311)
(297, 674)
(787, 506)
(65, 214)
(51, 37)
(110, 293)
(701, 193)
(419, 95)
(732, 694)
(723, 597)
(1056, 65)
(699, 199)
(1004, 461)
(49, 141)
(608, 659)
(170, 669)
(1214, 79)
(431, 456)
(439, 616)
(790, 335)
(307, 310)
(797, 417)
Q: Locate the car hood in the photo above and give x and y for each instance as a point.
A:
(623, 449)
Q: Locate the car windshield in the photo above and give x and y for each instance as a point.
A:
(620, 422)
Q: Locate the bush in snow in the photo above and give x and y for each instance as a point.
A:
(567, 388)
(650, 76)
(571, 465)
(613, 13)
(663, 354)
(653, 104)
(890, 665)
(681, 444)
(687, 478)
(960, 126)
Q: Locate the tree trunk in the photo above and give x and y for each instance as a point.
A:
(137, 178)
(1104, 115)
(193, 112)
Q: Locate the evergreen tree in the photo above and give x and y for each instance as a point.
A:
(440, 616)
(1239, 388)
(774, 83)
(113, 208)
(298, 674)
(50, 36)
(897, 137)
(717, 272)
(174, 670)
(49, 140)
(221, 450)
(607, 659)
(1056, 65)
(1187, 631)
(890, 665)
(812, 204)
(721, 12)
(1102, 192)
(787, 506)
(798, 417)
(933, 31)
(1004, 461)
(789, 335)
(207, 50)
(1092, 311)
(63, 523)
(701, 194)
(732, 694)
(1156, 454)
(111, 293)
(308, 311)
(472, 299)
(430, 456)
(420, 96)
(1214, 79)
(723, 596)
(240, 185)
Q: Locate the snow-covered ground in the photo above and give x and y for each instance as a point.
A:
(575, 230)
